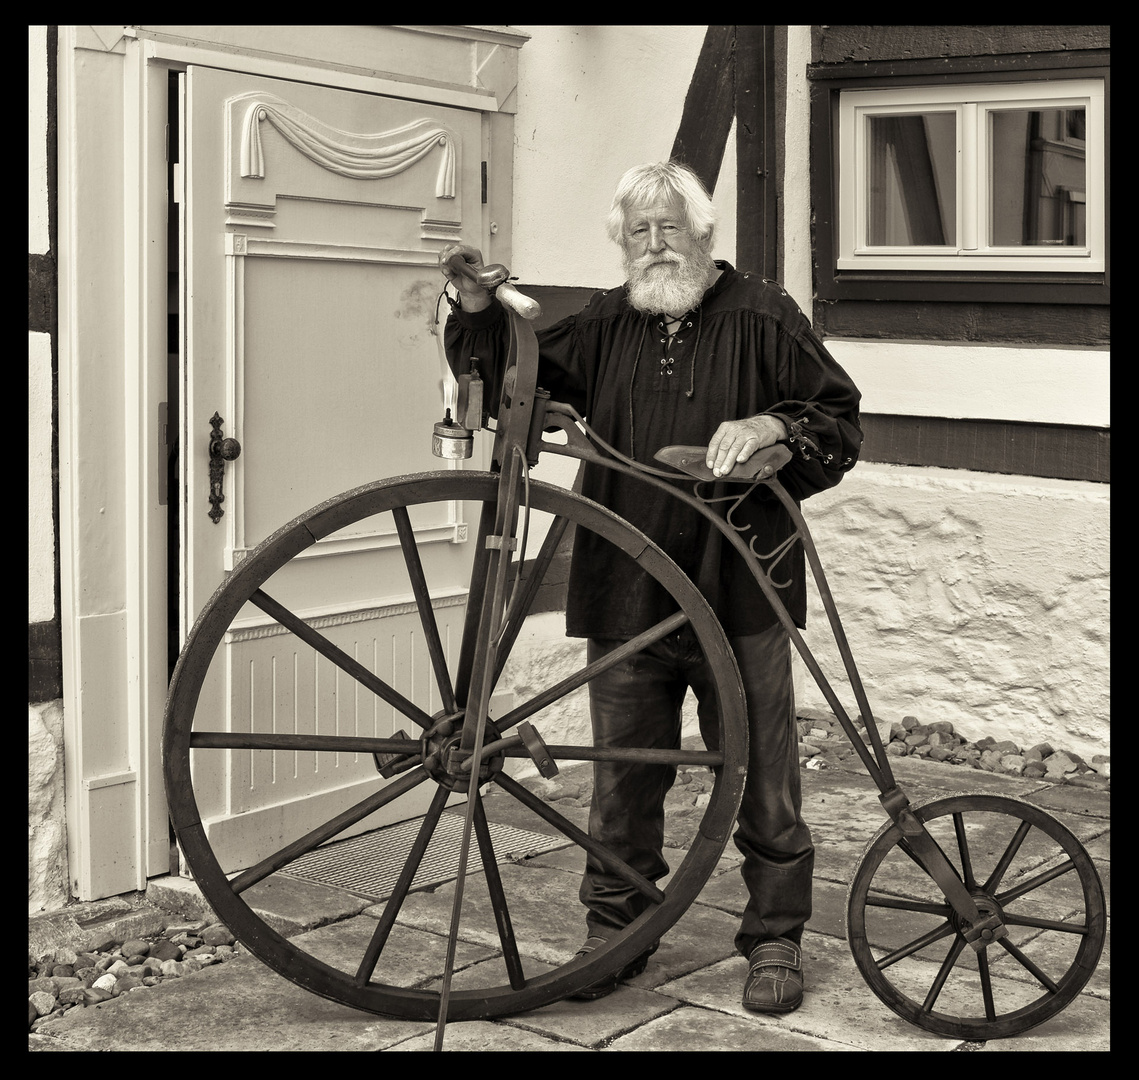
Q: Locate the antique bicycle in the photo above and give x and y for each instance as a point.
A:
(934, 906)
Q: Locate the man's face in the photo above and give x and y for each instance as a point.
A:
(657, 229)
(667, 268)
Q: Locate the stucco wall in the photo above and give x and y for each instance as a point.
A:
(47, 837)
(41, 536)
(592, 102)
(978, 599)
(968, 597)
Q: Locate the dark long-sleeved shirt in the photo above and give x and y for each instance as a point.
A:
(746, 349)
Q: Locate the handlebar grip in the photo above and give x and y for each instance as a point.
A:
(526, 306)
(493, 279)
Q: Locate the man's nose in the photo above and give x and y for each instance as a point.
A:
(656, 239)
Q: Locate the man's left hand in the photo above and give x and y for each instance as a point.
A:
(737, 440)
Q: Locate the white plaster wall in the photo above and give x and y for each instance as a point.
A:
(47, 830)
(47, 834)
(41, 536)
(1025, 383)
(592, 102)
(974, 598)
(37, 140)
(797, 278)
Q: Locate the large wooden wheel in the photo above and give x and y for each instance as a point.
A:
(1018, 863)
(195, 750)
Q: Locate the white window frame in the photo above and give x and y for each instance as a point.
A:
(972, 105)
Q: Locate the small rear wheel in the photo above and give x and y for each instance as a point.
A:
(1017, 862)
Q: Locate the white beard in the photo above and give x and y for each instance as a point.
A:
(667, 283)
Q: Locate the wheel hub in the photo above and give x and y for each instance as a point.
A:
(987, 905)
(444, 756)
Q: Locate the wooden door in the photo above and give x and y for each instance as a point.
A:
(310, 226)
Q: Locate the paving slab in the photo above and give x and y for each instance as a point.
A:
(480, 1036)
(837, 1005)
(687, 1028)
(594, 1024)
(240, 1005)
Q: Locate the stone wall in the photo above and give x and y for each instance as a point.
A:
(973, 598)
(968, 597)
(47, 833)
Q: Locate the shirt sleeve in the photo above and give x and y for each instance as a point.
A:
(821, 412)
(483, 337)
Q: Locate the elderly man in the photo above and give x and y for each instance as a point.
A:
(688, 351)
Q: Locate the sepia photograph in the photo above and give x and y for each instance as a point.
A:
(568, 538)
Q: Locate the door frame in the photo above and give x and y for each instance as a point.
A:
(112, 191)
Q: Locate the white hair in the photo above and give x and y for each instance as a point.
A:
(663, 181)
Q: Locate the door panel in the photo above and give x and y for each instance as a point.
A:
(311, 223)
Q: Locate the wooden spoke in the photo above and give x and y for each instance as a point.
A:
(423, 603)
(942, 974)
(1006, 859)
(936, 934)
(342, 744)
(340, 658)
(899, 904)
(402, 887)
(524, 601)
(1037, 881)
(478, 587)
(313, 839)
(583, 840)
(498, 898)
(963, 851)
(591, 671)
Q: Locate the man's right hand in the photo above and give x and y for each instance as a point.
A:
(472, 295)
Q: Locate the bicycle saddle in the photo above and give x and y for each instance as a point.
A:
(690, 460)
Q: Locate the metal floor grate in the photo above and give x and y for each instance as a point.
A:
(370, 864)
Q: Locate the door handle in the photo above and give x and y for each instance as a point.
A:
(221, 451)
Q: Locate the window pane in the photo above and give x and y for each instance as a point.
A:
(1039, 177)
(913, 186)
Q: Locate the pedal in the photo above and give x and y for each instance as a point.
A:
(536, 748)
(389, 765)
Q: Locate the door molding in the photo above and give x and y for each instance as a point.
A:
(261, 626)
(239, 247)
(485, 56)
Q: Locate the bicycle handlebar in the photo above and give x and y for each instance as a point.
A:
(493, 278)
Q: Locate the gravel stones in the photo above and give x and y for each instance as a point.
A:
(822, 741)
(60, 978)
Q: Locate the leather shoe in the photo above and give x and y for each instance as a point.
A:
(775, 977)
(608, 983)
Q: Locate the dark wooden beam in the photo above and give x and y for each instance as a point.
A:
(991, 446)
(757, 219)
(709, 107)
